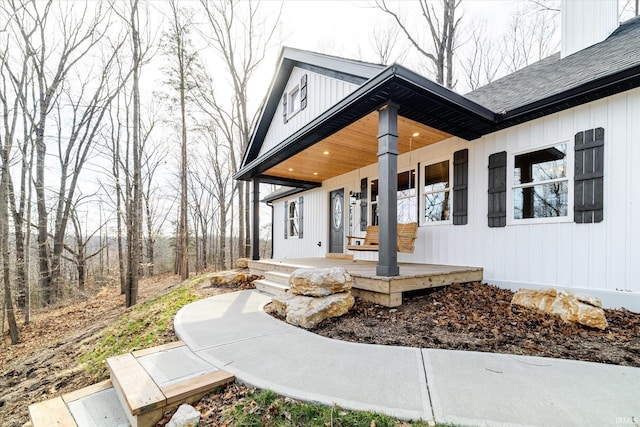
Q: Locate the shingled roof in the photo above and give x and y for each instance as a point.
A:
(553, 75)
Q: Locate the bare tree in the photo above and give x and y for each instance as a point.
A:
(134, 208)
(15, 81)
(183, 72)
(384, 42)
(481, 64)
(241, 36)
(55, 43)
(532, 36)
(443, 32)
(153, 156)
(79, 256)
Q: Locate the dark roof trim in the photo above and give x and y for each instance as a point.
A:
(288, 182)
(446, 95)
(593, 90)
(350, 78)
(281, 194)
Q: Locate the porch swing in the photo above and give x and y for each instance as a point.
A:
(406, 233)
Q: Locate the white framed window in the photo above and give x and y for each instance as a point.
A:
(436, 193)
(541, 184)
(293, 219)
(406, 194)
(294, 101)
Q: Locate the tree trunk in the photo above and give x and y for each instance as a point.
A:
(4, 248)
(48, 291)
(134, 233)
(184, 239)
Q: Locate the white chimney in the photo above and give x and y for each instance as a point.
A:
(586, 22)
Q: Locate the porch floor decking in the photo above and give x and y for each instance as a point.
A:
(386, 291)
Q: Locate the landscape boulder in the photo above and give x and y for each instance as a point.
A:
(229, 278)
(242, 263)
(307, 311)
(319, 282)
(185, 416)
(585, 310)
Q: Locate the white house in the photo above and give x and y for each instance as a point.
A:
(534, 177)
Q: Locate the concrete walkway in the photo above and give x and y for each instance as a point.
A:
(232, 332)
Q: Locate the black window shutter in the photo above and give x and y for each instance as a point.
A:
(303, 92)
(300, 217)
(460, 186)
(286, 219)
(588, 194)
(363, 204)
(284, 108)
(497, 194)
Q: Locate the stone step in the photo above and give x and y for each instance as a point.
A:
(151, 381)
(277, 276)
(271, 287)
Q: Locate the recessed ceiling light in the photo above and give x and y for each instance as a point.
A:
(415, 134)
(315, 173)
(325, 153)
(290, 169)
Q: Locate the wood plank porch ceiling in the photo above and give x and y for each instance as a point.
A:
(352, 148)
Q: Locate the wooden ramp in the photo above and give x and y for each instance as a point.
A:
(144, 384)
(386, 291)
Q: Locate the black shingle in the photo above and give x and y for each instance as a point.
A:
(553, 75)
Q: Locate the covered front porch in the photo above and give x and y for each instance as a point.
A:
(386, 291)
(393, 112)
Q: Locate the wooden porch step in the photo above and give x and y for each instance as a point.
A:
(135, 387)
(52, 412)
(271, 287)
(339, 256)
(58, 412)
(144, 399)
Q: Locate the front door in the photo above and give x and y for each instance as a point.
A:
(336, 219)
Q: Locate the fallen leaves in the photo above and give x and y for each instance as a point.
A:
(480, 317)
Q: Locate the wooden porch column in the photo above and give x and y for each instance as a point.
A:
(255, 223)
(387, 190)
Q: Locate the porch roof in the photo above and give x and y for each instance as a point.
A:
(434, 110)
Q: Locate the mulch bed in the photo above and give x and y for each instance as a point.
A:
(479, 317)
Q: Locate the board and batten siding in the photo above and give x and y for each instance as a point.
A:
(315, 228)
(600, 258)
(322, 92)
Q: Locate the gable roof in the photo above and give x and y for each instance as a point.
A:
(341, 68)
(554, 75)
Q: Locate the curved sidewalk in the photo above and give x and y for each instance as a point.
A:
(232, 332)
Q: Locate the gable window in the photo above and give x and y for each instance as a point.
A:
(294, 101)
(293, 217)
(437, 192)
(406, 194)
(541, 184)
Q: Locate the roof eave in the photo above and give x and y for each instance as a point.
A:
(593, 90)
